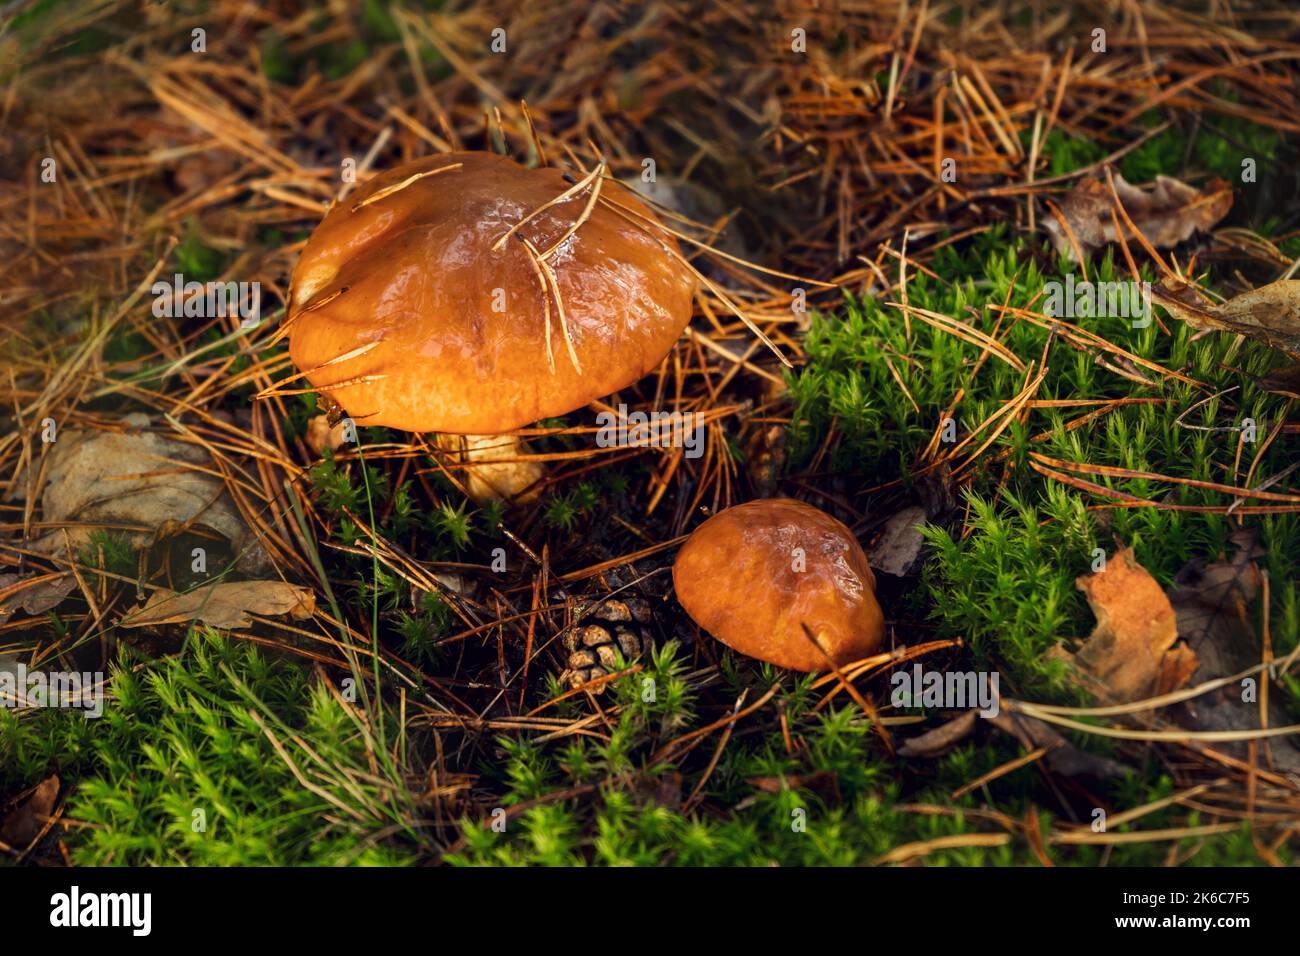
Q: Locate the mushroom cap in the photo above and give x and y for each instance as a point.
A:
(737, 577)
(458, 330)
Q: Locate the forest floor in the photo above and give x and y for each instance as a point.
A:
(381, 691)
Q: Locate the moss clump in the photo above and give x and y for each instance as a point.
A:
(181, 768)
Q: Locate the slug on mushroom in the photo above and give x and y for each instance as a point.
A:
(466, 295)
(756, 575)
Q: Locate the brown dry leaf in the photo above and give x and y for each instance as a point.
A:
(226, 604)
(898, 549)
(140, 479)
(25, 822)
(1167, 213)
(1062, 757)
(1131, 654)
(1270, 313)
(664, 789)
(34, 594)
(821, 781)
(1213, 603)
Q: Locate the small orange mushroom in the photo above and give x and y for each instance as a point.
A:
(769, 577)
(467, 295)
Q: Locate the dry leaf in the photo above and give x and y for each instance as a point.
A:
(1213, 603)
(139, 479)
(1062, 757)
(940, 739)
(821, 781)
(1282, 381)
(899, 547)
(1270, 313)
(35, 594)
(664, 789)
(226, 604)
(1167, 213)
(28, 819)
(1131, 654)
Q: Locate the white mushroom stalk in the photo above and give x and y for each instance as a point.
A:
(493, 467)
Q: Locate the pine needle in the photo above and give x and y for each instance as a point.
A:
(338, 359)
(586, 214)
(536, 260)
(562, 197)
(398, 187)
(554, 283)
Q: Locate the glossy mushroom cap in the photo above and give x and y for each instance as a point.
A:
(457, 329)
(754, 574)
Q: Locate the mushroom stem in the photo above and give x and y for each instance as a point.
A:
(493, 466)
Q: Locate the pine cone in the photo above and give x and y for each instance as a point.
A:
(608, 626)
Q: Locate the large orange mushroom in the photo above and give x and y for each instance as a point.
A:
(467, 295)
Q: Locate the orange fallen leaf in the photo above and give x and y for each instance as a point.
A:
(1132, 653)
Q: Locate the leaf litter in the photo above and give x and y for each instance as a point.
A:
(224, 604)
(1213, 605)
(133, 478)
(25, 822)
(1270, 314)
(824, 141)
(1166, 212)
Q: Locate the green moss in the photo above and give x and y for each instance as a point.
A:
(1218, 146)
(838, 802)
(197, 261)
(181, 769)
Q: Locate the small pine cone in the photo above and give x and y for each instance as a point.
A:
(610, 626)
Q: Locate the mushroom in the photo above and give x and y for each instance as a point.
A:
(768, 576)
(467, 295)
